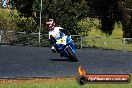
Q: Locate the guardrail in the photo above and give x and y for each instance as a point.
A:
(127, 40)
(32, 39)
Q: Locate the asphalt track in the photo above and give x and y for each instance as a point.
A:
(16, 61)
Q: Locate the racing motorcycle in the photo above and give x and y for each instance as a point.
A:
(65, 46)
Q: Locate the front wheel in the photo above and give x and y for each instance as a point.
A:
(72, 57)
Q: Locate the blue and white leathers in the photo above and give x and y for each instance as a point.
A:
(63, 44)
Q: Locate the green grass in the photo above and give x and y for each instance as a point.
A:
(98, 39)
(56, 83)
(107, 43)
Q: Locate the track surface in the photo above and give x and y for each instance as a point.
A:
(16, 61)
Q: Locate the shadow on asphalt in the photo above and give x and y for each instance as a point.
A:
(59, 59)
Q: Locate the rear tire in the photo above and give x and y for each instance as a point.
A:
(72, 57)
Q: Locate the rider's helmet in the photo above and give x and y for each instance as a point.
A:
(50, 24)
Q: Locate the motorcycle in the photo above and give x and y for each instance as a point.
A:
(65, 46)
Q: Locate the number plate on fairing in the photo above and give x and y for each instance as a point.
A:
(62, 40)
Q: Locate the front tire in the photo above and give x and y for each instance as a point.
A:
(72, 57)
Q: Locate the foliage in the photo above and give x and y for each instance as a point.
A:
(11, 21)
(24, 7)
(107, 11)
(26, 24)
(65, 12)
(7, 20)
(88, 24)
(112, 11)
(126, 8)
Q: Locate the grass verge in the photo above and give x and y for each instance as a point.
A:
(56, 83)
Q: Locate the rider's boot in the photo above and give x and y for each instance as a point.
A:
(53, 49)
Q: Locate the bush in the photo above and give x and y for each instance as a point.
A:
(11, 21)
(7, 20)
(87, 24)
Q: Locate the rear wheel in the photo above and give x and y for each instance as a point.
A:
(72, 57)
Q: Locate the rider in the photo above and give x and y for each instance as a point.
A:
(55, 32)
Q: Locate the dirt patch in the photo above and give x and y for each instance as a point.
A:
(36, 80)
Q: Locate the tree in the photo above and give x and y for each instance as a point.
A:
(68, 12)
(65, 12)
(7, 21)
(111, 11)
(126, 8)
(24, 7)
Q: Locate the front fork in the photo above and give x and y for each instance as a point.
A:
(71, 47)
